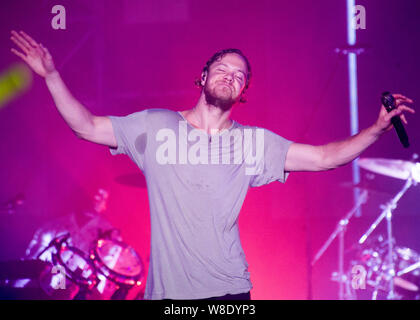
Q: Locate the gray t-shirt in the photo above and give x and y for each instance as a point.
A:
(196, 186)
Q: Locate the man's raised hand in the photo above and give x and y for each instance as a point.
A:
(384, 120)
(34, 54)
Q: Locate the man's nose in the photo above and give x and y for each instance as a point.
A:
(229, 77)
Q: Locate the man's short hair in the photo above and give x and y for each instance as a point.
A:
(220, 54)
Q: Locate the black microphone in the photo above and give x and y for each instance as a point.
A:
(389, 103)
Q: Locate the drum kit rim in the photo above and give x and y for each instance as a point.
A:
(62, 247)
(386, 264)
(96, 266)
(127, 279)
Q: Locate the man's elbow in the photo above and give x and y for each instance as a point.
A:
(84, 133)
(326, 160)
(87, 129)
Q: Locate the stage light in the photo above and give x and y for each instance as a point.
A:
(14, 81)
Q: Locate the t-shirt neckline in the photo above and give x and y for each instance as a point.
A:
(223, 131)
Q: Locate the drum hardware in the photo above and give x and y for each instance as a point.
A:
(409, 269)
(389, 274)
(397, 169)
(372, 257)
(340, 231)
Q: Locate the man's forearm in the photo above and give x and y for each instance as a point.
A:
(73, 112)
(339, 153)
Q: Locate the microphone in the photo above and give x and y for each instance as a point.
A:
(389, 103)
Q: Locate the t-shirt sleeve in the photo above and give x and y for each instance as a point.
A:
(273, 161)
(131, 135)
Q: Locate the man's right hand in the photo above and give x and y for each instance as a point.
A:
(84, 124)
(34, 54)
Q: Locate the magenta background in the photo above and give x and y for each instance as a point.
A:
(118, 57)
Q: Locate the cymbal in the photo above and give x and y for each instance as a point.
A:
(407, 285)
(399, 169)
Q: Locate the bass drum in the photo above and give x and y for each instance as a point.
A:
(119, 264)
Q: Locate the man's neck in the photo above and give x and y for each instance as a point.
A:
(208, 118)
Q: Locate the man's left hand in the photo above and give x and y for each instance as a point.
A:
(384, 120)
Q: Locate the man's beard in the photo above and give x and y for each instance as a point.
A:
(223, 103)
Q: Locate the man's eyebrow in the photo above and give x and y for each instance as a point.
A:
(223, 64)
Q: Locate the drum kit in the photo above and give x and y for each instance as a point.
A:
(108, 271)
(379, 269)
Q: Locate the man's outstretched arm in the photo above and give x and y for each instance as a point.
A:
(304, 157)
(83, 123)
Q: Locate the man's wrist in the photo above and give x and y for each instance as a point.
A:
(376, 130)
(52, 75)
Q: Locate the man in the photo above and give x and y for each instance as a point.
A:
(198, 165)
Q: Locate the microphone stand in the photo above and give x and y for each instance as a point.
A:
(340, 231)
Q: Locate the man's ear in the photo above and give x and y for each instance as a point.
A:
(203, 78)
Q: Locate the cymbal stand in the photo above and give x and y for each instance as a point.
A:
(387, 210)
(340, 231)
